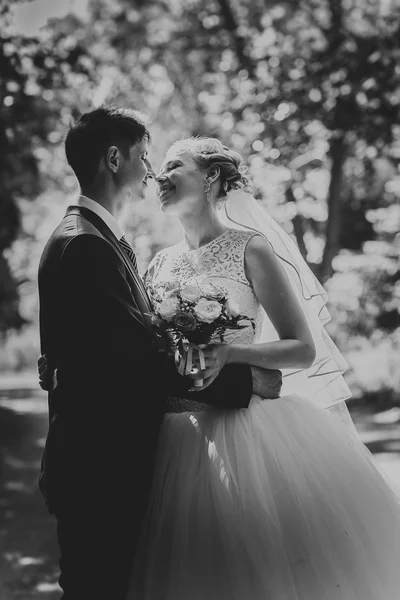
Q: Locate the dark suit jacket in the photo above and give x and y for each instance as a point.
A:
(112, 381)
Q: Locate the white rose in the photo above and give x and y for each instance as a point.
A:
(171, 288)
(232, 308)
(207, 311)
(171, 293)
(168, 308)
(190, 293)
(208, 289)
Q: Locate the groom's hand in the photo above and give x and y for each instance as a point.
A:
(267, 383)
(45, 373)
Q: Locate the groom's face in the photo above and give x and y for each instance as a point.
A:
(136, 170)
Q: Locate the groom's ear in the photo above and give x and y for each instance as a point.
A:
(213, 173)
(112, 159)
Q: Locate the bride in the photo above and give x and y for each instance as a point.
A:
(280, 501)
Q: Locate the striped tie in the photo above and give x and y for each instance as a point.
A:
(129, 251)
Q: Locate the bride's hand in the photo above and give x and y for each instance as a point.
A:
(216, 356)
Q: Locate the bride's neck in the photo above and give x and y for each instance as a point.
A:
(198, 232)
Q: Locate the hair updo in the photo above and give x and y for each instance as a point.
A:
(209, 152)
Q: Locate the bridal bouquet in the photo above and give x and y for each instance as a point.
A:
(190, 317)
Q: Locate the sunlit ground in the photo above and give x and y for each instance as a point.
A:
(27, 533)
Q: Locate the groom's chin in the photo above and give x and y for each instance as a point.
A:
(141, 197)
(137, 196)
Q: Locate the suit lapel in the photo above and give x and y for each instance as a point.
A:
(136, 283)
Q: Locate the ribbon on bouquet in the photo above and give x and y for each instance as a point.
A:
(185, 366)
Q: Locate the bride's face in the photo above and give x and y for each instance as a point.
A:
(180, 185)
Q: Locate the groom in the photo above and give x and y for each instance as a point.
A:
(109, 381)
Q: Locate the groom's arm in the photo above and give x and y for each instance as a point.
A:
(233, 388)
(266, 383)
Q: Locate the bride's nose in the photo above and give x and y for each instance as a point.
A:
(160, 178)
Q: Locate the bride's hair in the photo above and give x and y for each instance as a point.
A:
(208, 152)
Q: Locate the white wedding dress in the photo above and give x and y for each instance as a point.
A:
(275, 502)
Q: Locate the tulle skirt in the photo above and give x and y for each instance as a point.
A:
(274, 502)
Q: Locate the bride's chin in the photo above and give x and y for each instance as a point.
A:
(165, 207)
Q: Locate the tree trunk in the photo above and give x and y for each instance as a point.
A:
(239, 44)
(298, 224)
(338, 155)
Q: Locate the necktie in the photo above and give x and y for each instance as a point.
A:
(129, 251)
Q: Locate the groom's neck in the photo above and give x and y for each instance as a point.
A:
(102, 196)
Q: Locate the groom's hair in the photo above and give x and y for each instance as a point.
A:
(90, 137)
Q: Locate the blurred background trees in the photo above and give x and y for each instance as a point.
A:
(308, 91)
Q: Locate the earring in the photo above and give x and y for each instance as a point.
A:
(207, 188)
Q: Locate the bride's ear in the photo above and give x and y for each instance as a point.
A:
(213, 173)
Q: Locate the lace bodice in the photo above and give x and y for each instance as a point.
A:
(221, 263)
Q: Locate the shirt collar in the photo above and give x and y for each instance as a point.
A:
(103, 213)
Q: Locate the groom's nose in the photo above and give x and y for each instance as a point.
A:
(150, 171)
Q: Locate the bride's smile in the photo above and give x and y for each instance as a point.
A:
(164, 191)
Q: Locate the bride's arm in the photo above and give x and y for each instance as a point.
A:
(295, 348)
